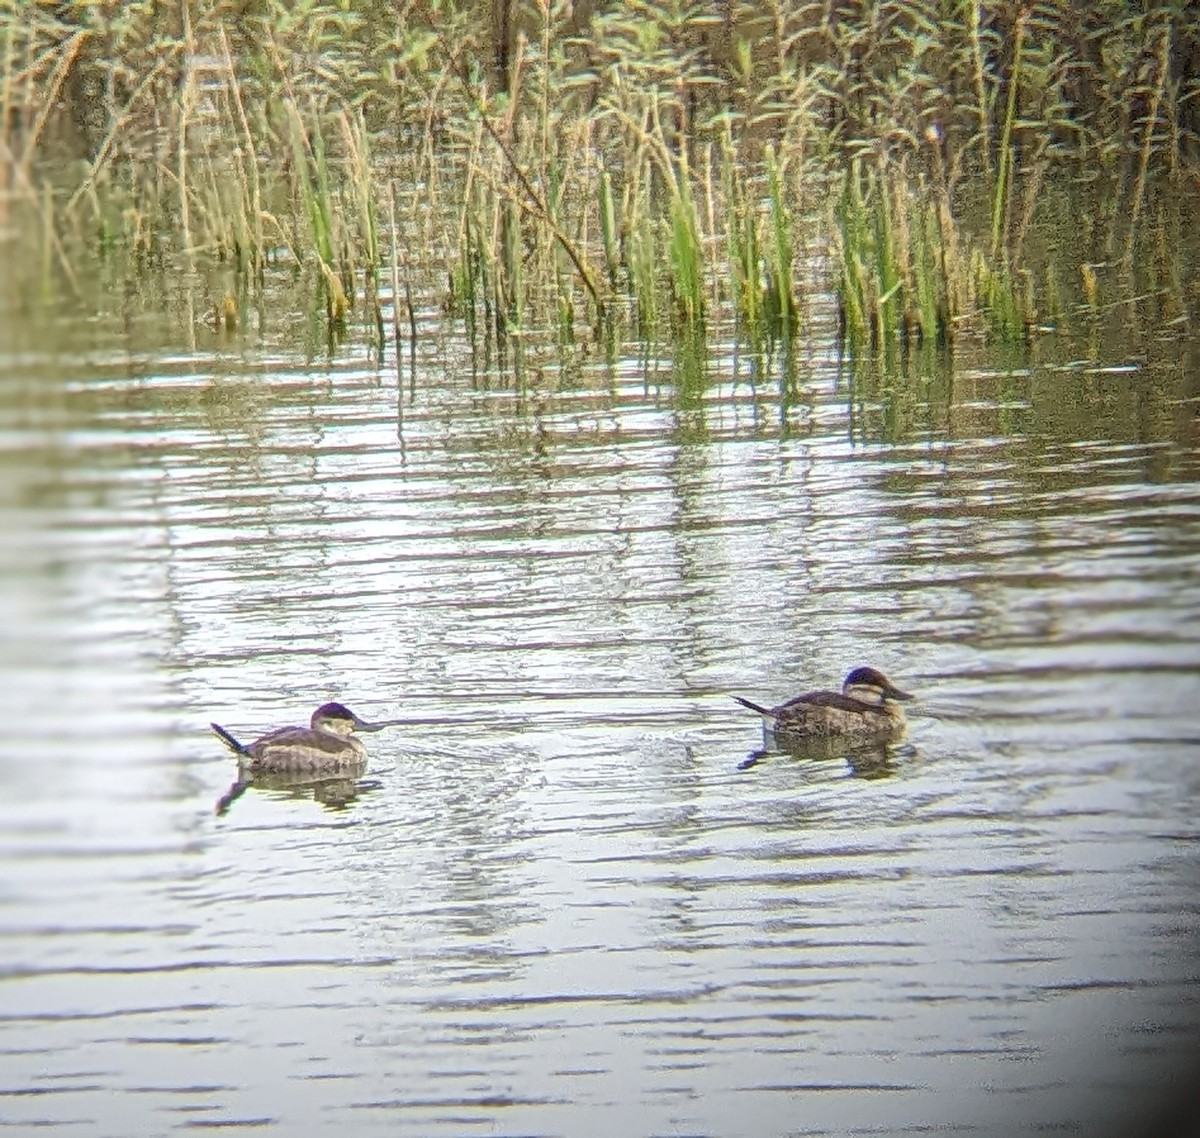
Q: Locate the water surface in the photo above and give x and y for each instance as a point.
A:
(556, 904)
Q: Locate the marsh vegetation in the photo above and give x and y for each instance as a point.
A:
(591, 171)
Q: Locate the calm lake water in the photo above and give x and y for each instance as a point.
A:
(557, 904)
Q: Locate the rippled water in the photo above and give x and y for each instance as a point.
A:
(556, 904)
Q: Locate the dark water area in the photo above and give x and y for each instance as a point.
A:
(559, 901)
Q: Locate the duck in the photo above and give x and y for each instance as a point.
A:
(867, 709)
(328, 743)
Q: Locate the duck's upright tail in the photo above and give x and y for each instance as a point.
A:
(752, 706)
(228, 740)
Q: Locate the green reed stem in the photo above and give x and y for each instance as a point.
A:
(1005, 167)
(782, 298)
(856, 304)
(1162, 60)
(686, 261)
(643, 258)
(926, 267)
(742, 253)
(891, 283)
(608, 228)
(308, 155)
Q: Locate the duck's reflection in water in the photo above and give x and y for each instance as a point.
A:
(866, 760)
(334, 791)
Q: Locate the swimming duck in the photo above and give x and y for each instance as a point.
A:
(865, 709)
(326, 744)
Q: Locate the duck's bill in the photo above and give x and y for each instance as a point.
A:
(896, 693)
(363, 725)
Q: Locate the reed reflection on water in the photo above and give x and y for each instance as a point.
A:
(575, 893)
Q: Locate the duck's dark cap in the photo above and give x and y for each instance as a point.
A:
(335, 711)
(874, 678)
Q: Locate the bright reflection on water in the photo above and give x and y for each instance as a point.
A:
(555, 904)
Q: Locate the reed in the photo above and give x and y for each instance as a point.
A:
(1006, 158)
(587, 163)
(356, 146)
(857, 286)
(995, 290)
(743, 256)
(686, 261)
(465, 274)
(509, 272)
(327, 227)
(312, 181)
(911, 274)
(608, 228)
(253, 245)
(871, 286)
(642, 245)
(360, 194)
(781, 299)
(1157, 94)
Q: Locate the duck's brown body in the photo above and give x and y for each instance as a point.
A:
(866, 710)
(326, 744)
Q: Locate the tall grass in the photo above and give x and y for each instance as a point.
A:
(572, 165)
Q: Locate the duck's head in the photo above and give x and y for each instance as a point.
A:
(340, 720)
(869, 685)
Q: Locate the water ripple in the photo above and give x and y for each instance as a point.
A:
(572, 894)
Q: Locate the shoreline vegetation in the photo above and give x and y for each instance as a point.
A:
(958, 169)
